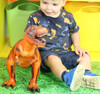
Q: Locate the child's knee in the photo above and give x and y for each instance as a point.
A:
(50, 57)
(85, 58)
(51, 60)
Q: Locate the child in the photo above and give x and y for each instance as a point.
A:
(57, 55)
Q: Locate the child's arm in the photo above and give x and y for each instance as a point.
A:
(76, 43)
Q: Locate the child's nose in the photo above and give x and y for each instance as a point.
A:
(49, 6)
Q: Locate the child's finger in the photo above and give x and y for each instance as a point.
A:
(81, 54)
(77, 52)
(87, 52)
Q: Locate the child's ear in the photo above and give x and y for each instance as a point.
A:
(64, 2)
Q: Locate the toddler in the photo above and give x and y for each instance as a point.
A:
(57, 56)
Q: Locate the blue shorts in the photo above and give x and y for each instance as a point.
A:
(68, 58)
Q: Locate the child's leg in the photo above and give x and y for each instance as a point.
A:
(72, 78)
(85, 61)
(55, 64)
(90, 79)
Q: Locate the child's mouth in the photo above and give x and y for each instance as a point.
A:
(48, 13)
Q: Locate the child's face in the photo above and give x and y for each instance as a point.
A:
(51, 7)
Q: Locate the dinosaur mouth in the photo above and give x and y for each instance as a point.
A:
(40, 39)
(37, 38)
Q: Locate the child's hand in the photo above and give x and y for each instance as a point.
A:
(80, 51)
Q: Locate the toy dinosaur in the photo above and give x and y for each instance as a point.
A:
(25, 53)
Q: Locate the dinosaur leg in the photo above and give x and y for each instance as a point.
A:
(10, 69)
(35, 71)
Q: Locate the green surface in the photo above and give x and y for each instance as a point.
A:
(47, 83)
(17, 16)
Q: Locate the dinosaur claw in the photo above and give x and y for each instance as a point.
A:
(33, 90)
(38, 90)
(28, 88)
(4, 85)
(12, 86)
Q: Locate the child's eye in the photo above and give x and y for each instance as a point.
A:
(55, 4)
(45, 2)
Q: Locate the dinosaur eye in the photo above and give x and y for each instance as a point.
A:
(32, 28)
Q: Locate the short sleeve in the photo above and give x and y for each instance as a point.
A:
(73, 26)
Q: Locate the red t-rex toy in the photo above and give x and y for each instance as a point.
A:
(25, 53)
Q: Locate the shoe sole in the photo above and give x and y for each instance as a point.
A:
(77, 78)
(91, 82)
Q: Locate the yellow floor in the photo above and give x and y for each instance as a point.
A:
(5, 50)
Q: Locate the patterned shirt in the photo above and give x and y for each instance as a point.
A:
(60, 29)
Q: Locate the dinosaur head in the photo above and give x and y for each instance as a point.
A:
(34, 34)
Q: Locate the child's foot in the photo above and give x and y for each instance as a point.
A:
(74, 77)
(91, 80)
